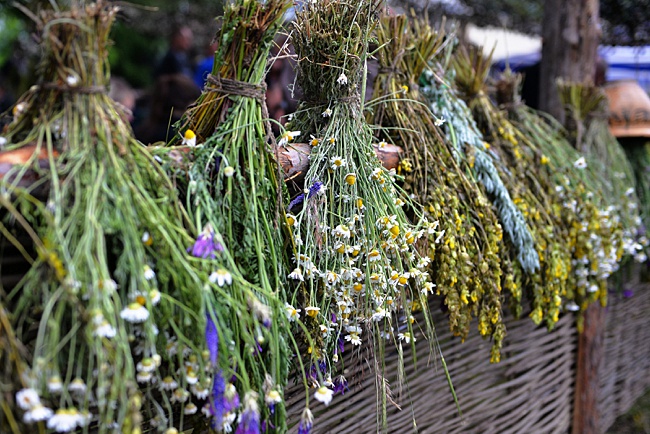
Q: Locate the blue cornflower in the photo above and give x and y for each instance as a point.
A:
(340, 385)
(206, 246)
(316, 188)
(212, 340)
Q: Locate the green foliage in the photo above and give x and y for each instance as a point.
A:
(134, 54)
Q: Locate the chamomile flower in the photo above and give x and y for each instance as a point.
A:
(287, 137)
(324, 395)
(341, 231)
(37, 413)
(168, 383)
(190, 408)
(147, 239)
(439, 121)
(27, 399)
(65, 420)
(104, 330)
(72, 80)
(296, 274)
(292, 313)
(580, 163)
(180, 395)
(338, 161)
(406, 337)
(134, 313)
(146, 365)
(77, 386)
(143, 377)
(291, 219)
(149, 274)
(189, 138)
(191, 377)
(342, 80)
(351, 178)
(229, 171)
(221, 277)
(272, 397)
(3, 142)
(571, 306)
(327, 113)
(54, 384)
(312, 311)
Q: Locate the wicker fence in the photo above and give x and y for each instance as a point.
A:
(530, 390)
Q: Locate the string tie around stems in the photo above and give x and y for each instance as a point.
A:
(236, 87)
(73, 89)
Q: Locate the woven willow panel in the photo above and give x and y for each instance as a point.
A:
(625, 369)
(529, 391)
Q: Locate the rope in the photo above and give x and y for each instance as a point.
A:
(236, 87)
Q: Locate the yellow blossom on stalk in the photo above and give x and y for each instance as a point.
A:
(544, 159)
(406, 165)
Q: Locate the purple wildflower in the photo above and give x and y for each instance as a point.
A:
(230, 398)
(306, 422)
(206, 246)
(341, 343)
(249, 421)
(316, 188)
(340, 385)
(297, 200)
(217, 400)
(212, 340)
(628, 293)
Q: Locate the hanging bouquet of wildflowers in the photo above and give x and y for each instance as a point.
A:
(519, 170)
(117, 321)
(465, 264)
(592, 236)
(586, 107)
(357, 269)
(233, 190)
(518, 254)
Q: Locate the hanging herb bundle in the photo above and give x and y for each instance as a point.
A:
(120, 324)
(586, 107)
(465, 266)
(463, 134)
(517, 165)
(637, 150)
(234, 191)
(591, 238)
(359, 273)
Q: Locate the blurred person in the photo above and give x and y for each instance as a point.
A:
(169, 98)
(204, 65)
(177, 59)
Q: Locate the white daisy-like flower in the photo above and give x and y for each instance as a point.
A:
(146, 365)
(287, 137)
(272, 397)
(324, 395)
(199, 391)
(571, 306)
(379, 314)
(221, 277)
(189, 138)
(143, 377)
(296, 274)
(147, 239)
(327, 113)
(338, 161)
(78, 385)
(341, 231)
(406, 337)
(191, 377)
(206, 410)
(104, 330)
(353, 338)
(592, 288)
(180, 395)
(37, 413)
(629, 192)
(154, 297)
(292, 313)
(134, 313)
(312, 311)
(72, 80)
(27, 398)
(54, 384)
(149, 273)
(580, 163)
(439, 121)
(65, 420)
(229, 171)
(343, 79)
(190, 408)
(168, 383)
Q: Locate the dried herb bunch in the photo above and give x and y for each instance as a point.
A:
(577, 195)
(519, 168)
(119, 322)
(359, 273)
(234, 191)
(586, 107)
(465, 266)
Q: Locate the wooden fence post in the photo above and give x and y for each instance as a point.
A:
(590, 355)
